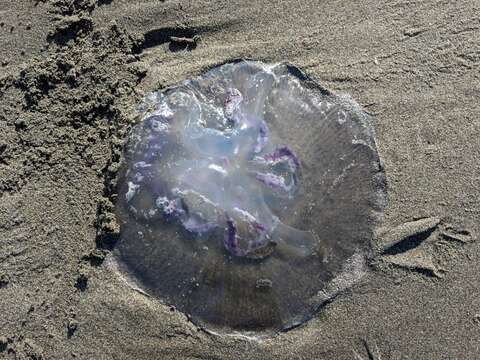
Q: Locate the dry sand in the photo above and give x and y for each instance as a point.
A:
(71, 73)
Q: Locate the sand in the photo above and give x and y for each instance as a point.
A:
(71, 74)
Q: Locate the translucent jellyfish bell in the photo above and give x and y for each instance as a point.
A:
(247, 197)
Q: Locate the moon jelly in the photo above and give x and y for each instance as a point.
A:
(248, 197)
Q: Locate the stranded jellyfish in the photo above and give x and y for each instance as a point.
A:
(248, 197)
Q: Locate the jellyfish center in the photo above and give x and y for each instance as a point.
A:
(224, 166)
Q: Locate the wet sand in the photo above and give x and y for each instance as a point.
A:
(71, 74)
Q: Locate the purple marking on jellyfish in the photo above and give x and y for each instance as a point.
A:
(280, 154)
(231, 240)
(255, 233)
(261, 240)
(277, 182)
